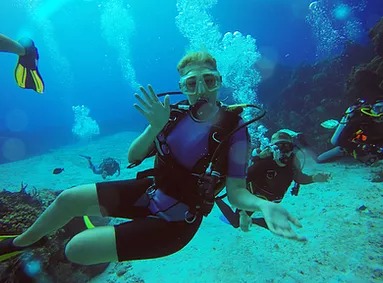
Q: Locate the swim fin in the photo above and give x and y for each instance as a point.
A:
(86, 157)
(88, 223)
(27, 74)
(7, 248)
(230, 217)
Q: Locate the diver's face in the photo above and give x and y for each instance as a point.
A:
(200, 82)
(282, 152)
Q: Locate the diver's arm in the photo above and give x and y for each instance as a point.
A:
(11, 46)
(142, 145)
(240, 197)
(298, 175)
(303, 178)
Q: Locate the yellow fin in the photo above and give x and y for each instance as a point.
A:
(9, 255)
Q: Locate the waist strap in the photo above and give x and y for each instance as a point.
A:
(166, 207)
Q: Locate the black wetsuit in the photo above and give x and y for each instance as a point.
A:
(268, 180)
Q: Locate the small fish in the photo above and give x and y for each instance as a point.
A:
(330, 124)
(57, 170)
(290, 132)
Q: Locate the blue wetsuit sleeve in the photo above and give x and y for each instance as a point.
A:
(239, 150)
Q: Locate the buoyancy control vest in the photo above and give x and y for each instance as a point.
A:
(197, 187)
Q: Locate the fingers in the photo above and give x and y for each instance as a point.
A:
(293, 220)
(149, 105)
(146, 95)
(149, 98)
(153, 95)
(142, 102)
(287, 232)
(167, 102)
(284, 229)
(139, 109)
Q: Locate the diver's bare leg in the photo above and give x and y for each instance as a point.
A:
(92, 246)
(77, 201)
(9, 45)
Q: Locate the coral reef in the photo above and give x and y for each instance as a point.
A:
(367, 79)
(17, 212)
(323, 91)
(376, 35)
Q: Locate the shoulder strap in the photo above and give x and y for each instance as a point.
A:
(228, 120)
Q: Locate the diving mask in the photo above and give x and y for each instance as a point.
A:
(282, 151)
(192, 84)
(285, 147)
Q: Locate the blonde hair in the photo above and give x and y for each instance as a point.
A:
(202, 57)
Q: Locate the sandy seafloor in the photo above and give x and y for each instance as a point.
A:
(345, 243)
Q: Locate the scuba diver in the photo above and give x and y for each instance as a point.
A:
(359, 134)
(27, 74)
(269, 177)
(108, 167)
(200, 146)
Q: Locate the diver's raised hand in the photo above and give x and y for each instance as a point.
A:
(156, 112)
(278, 221)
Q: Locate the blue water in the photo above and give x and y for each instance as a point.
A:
(82, 42)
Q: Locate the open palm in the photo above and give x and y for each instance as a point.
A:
(156, 112)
